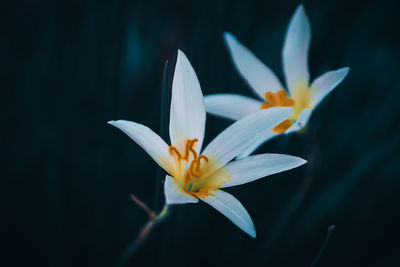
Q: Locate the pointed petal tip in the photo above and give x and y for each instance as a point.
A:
(227, 35)
(301, 161)
(113, 123)
(253, 233)
(229, 38)
(344, 70)
(300, 9)
(180, 54)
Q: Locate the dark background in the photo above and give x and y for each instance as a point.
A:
(67, 67)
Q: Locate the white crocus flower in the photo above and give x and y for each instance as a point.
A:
(194, 175)
(302, 96)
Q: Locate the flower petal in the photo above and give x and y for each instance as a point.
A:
(301, 121)
(241, 134)
(295, 50)
(149, 141)
(230, 207)
(188, 115)
(261, 139)
(324, 84)
(231, 106)
(174, 194)
(256, 167)
(257, 75)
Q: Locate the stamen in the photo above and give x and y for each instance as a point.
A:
(173, 150)
(192, 149)
(283, 126)
(194, 170)
(185, 181)
(277, 99)
(199, 159)
(194, 166)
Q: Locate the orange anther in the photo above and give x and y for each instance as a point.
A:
(278, 99)
(283, 126)
(199, 160)
(192, 149)
(173, 150)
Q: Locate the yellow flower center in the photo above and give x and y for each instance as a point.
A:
(192, 175)
(299, 100)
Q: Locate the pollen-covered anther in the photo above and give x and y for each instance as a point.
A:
(278, 99)
(188, 148)
(173, 150)
(194, 168)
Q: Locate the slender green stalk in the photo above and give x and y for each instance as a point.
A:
(165, 103)
(322, 249)
(154, 219)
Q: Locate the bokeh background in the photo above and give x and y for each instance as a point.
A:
(67, 67)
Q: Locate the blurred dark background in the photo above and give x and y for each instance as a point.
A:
(67, 67)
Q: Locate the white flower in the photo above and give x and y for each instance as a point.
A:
(302, 96)
(194, 175)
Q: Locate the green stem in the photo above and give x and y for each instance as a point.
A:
(142, 236)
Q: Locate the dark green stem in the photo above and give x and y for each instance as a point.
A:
(322, 249)
(130, 250)
(165, 104)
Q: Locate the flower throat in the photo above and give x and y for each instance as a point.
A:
(194, 169)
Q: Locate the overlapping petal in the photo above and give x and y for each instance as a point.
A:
(188, 115)
(258, 141)
(295, 50)
(174, 194)
(257, 75)
(324, 84)
(230, 207)
(255, 167)
(241, 134)
(231, 106)
(149, 141)
(302, 121)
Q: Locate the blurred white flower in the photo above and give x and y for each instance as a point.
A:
(302, 96)
(194, 175)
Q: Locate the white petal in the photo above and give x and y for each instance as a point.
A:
(256, 167)
(149, 141)
(234, 107)
(241, 134)
(295, 49)
(188, 115)
(229, 206)
(324, 84)
(301, 121)
(261, 139)
(174, 194)
(257, 75)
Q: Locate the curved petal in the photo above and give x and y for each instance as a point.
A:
(295, 50)
(188, 115)
(231, 208)
(256, 167)
(174, 194)
(257, 75)
(149, 141)
(234, 107)
(261, 139)
(241, 134)
(324, 84)
(301, 121)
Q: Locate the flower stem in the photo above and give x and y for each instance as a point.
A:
(165, 105)
(322, 249)
(154, 219)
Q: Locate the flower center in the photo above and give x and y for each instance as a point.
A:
(279, 99)
(192, 169)
(300, 99)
